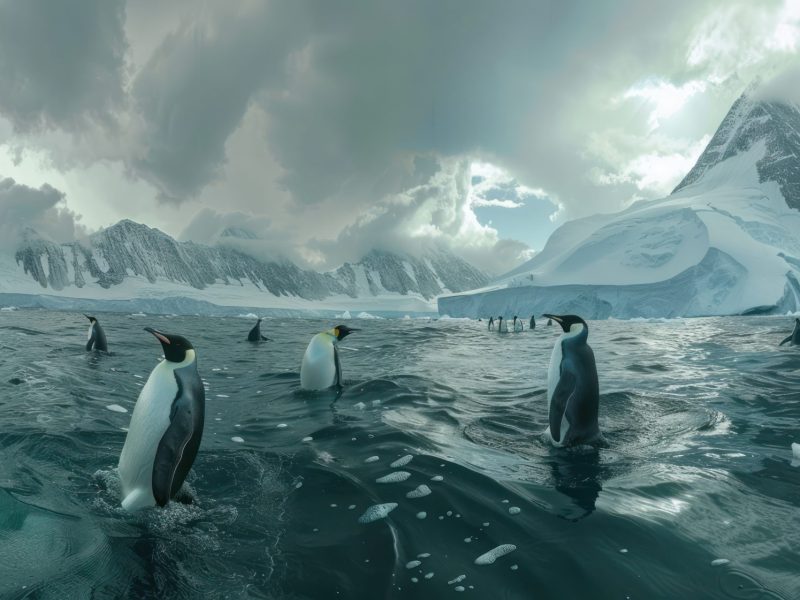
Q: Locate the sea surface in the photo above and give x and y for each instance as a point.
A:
(694, 494)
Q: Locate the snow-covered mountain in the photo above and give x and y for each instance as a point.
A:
(131, 260)
(726, 241)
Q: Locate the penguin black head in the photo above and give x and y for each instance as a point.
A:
(91, 319)
(567, 321)
(175, 346)
(342, 331)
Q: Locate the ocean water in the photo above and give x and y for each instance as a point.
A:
(427, 477)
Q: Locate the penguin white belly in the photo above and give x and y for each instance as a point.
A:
(149, 421)
(318, 370)
(89, 336)
(553, 375)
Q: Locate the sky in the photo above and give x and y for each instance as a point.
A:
(327, 129)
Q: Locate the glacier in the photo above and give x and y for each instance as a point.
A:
(726, 241)
(131, 267)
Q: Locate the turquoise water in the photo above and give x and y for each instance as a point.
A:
(698, 415)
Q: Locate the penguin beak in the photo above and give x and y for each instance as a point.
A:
(161, 337)
(87, 316)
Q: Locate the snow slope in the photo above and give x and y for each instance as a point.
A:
(726, 241)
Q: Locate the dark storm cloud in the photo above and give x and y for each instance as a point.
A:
(41, 209)
(61, 63)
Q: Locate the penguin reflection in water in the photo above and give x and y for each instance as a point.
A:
(321, 367)
(165, 429)
(97, 337)
(573, 392)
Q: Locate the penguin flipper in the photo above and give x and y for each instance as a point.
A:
(178, 446)
(337, 380)
(89, 344)
(788, 339)
(558, 404)
(265, 339)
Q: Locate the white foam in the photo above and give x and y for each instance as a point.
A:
(458, 579)
(402, 461)
(394, 477)
(237, 439)
(222, 396)
(282, 425)
(514, 510)
(308, 438)
(117, 408)
(795, 455)
(422, 514)
(459, 588)
(359, 405)
(424, 555)
(514, 567)
(413, 563)
(437, 478)
(421, 491)
(377, 512)
(495, 553)
(719, 562)
(429, 575)
(623, 550)
(372, 459)
(468, 540)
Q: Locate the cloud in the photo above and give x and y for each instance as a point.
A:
(42, 209)
(784, 87)
(61, 63)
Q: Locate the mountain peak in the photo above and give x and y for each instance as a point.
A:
(749, 121)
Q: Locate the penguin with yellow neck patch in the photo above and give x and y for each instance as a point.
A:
(321, 367)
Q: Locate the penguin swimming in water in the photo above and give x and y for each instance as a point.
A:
(502, 326)
(517, 325)
(321, 367)
(97, 337)
(549, 322)
(795, 337)
(491, 323)
(573, 393)
(532, 324)
(165, 429)
(255, 333)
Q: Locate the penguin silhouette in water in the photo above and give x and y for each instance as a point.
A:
(97, 337)
(573, 392)
(517, 325)
(165, 429)
(502, 326)
(255, 333)
(795, 337)
(491, 323)
(321, 367)
(532, 324)
(549, 322)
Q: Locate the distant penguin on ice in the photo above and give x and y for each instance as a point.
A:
(502, 326)
(795, 337)
(321, 367)
(573, 392)
(97, 337)
(532, 324)
(255, 333)
(491, 323)
(518, 327)
(165, 429)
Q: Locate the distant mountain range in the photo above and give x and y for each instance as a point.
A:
(725, 241)
(131, 260)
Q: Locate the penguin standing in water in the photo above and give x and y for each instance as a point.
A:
(795, 337)
(517, 325)
(165, 429)
(97, 337)
(255, 333)
(573, 392)
(491, 323)
(532, 324)
(321, 367)
(502, 326)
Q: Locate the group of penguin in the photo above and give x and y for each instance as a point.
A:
(167, 421)
(517, 326)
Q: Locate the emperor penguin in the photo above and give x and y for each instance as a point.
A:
(573, 393)
(97, 337)
(795, 337)
(491, 323)
(321, 367)
(502, 326)
(532, 324)
(255, 333)
(165, 429)
(517, 325)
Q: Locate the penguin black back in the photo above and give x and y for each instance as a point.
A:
(97, 337)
